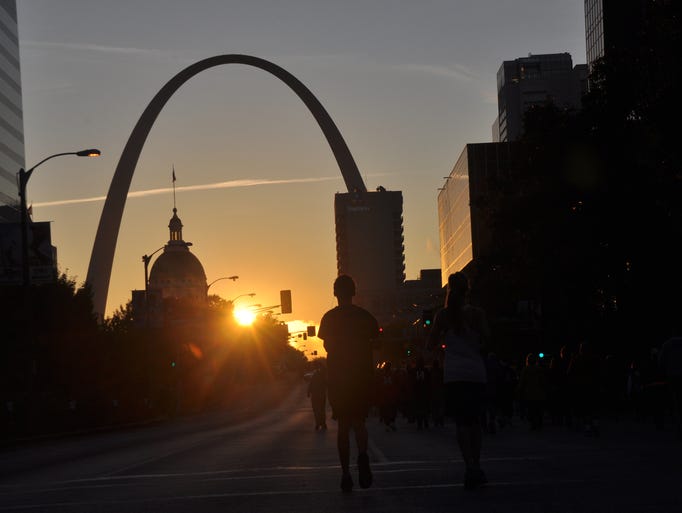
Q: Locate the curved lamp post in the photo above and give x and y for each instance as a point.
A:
(250, 294)
(233, 278)
(146, 259)
(23, 180)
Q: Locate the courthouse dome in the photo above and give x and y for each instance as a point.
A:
(177, 272)
(177, 263)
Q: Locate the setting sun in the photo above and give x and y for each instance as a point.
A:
(244, 316)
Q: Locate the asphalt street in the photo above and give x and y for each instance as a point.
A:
(275, 462)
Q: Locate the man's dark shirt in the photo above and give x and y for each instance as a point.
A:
(348, 332)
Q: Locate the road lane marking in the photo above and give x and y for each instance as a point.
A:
(326, 491)
(379, 467)
(274, 493)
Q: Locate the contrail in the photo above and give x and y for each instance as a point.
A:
(204, 187)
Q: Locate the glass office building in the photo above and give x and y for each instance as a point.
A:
(594, 30)
(618, 25)
(11, 114)
(454, 219)
(466, 228)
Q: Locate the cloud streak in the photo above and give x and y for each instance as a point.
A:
(456, 71)
(109, 50)
(202, 187)
(92, 48)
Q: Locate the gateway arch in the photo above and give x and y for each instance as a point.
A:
(102, 257)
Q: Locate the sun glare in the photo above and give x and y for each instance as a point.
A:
(244, 317)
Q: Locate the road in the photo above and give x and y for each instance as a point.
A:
(276, 462)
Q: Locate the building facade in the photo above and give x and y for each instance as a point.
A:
(612, 25)
(466, 230)
(370, 246)
(535, 80)
(11, 111)
(454, 219)
(594, 30)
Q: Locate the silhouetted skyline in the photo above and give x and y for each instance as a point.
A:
(407, 86)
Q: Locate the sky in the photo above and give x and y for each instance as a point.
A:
(407, 83)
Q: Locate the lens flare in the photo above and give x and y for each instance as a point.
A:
(244, 316)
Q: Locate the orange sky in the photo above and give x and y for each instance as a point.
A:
(408, 88)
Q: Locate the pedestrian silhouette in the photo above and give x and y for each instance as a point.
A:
(533, 390)
(462, 328)
(584, 380)
(388, 396)
(348, 332)
(420, 381)
(317, 392)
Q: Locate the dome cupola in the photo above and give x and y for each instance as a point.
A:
(175, 227)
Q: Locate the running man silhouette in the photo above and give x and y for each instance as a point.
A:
(348, 331)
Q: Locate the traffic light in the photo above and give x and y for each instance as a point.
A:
(285, 301)
(427, 318)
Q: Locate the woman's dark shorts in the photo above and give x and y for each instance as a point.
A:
(464, 401)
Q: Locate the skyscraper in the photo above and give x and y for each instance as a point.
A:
(615, 25)
(534, 80)
(467, 232)
(594, 30)
(369, 246)
(11, 116)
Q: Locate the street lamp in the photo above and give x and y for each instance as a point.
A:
(23, 177)
(146, 259)
(233, 278)
(250, 294)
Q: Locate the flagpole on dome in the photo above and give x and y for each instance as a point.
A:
(174, 209)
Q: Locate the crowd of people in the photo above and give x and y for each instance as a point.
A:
(480, 391)
(570, 389)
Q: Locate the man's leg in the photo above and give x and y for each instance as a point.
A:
(343, 445)
(464, 440)
(361, 438)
